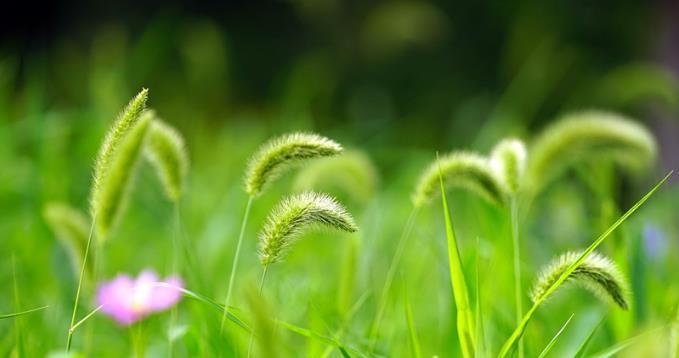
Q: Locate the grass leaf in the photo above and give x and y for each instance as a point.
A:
(554, 339)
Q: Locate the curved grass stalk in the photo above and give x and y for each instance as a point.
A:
(70, 227)
(165, 150)
(518, 332)
(21, 313)
(269, 162)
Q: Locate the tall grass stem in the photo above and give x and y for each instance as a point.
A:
(514, 217)
(234, 265)
(69, 339)
(252, 332)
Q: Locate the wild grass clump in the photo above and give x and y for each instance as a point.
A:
(596, 273)
(165, 150)
(294, 216)
(284, 152)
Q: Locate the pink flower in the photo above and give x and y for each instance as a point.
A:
(127, 300)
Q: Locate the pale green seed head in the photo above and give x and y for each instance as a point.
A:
(294, 216)
(279, 154)
(508, 160)
(109, 199)
(586, 136)
(465, 170)
(166, 152)
(115, 135)
(597, 274)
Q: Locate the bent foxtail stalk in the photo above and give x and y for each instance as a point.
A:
(269, 162)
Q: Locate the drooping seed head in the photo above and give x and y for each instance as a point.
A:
(597, 274)
(464, 170)
(110, 197)
(283, 152)
(115, 135)
(166, 152)
(588, 135)
(294, 216)
(508, 160)
(70, 227)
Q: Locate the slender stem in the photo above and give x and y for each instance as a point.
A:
(175, 269)
(73, 327)
(514, 217)
(234, 265)
(400, 249)
(252, 332)
(80, 284)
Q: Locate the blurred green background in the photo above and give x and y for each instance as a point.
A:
(396, 80)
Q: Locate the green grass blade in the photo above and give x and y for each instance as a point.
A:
(465, 324)
(16, 314)
(480, 335)
(518, 332)
(617, 348)
(585, 344)
(412, 332)
(552, 342)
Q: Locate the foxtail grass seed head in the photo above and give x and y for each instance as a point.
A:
(508, 160)
(166, 152)
(115, 135)
(597, 274)
(294, 216)
(110, 198)
(281, 153)
(71, 228)
(460, 169)
(589, 135)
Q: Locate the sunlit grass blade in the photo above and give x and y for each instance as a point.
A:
(554, 339)
(585, 344)
(480, 334)
(412, 331)
(518, 332)
(465, 323)
(15, 314)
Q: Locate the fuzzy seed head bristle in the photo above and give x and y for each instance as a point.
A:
(279, 154)
(508, 160)
(464, 170)
(597, 274)
(108, 200)
(115, 135)
(166, 152)
(294, 216)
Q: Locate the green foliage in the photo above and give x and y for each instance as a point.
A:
(279, 154)
(596, 273)
(295, 215)
(166, 152)
(71, 228)
(460, 169)
(584, 136)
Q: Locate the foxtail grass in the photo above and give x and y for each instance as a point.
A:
(290, 219)
(70, 227)
(581, 136)
(165, 150)
(269, 162)
(518, 332)
(508, 160)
